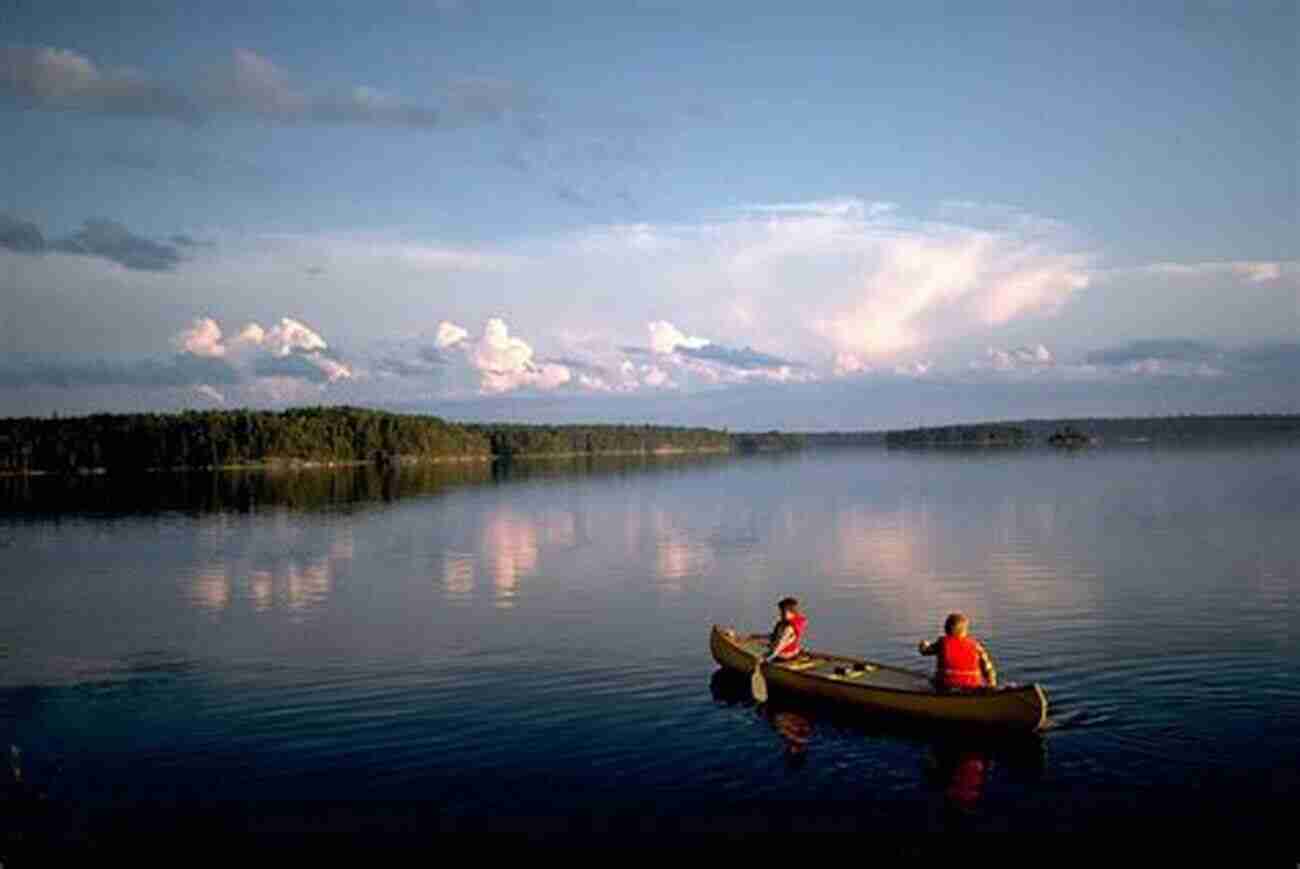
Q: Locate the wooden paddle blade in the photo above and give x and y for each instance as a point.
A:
(758, 685)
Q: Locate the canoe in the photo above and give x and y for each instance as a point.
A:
(880, 688)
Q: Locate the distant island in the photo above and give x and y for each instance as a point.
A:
(334, 436)
(1069, 436)
(995, 435)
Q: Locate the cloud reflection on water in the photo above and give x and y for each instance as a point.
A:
(270, 574)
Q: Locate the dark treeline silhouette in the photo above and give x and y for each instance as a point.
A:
(767, 442)
(307, 436)
(960, 435)
(1167, 429)
(348, 435)
(524, 440)
(1189, 429)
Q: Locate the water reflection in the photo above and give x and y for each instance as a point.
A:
(960, 773)
(955, 766)
(272, 568)
(795, 730)
(458, 575)
(211, 590)
(677, 555)
(917, 566)
(251, 491)
(510, 551)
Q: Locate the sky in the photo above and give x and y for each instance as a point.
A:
(753, 215)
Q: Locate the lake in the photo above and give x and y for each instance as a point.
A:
(526, 646)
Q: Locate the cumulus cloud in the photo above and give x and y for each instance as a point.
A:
(505, 362)
(203, 338)
(666, 338)
(449, 335)
(286, 337)
(288, 351)
(502, 362)
(288, 347)
(681, 360)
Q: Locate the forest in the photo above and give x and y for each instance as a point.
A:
(349, 435)
(308, 436)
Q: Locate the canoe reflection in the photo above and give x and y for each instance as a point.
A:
(795, 729)
(957, 766)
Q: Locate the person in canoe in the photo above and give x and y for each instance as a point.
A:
(963, 662)
(784, 644)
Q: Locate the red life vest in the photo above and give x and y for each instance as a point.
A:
(797, 622)
(959, 662)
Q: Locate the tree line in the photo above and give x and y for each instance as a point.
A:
(321, 435)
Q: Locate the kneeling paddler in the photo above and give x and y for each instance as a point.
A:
(784, 643)
(963, 663)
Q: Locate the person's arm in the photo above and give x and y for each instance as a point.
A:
(926, 648)
(986, 666)
(778, 642)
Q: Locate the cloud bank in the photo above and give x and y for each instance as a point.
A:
(248, 84)
(97, 237)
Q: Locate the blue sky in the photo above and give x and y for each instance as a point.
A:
(829, 215)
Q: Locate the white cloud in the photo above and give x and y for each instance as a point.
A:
(503, 362)
(1252, 271)
(918, 368)
(250, 336)
(289, 351)
(201, 339)
(1036, 356)
(846, 364)
(333, 370)
(289, 336)
(208, 393)
(653, 375)
(665, 338)
(449, 335)
(812, 280)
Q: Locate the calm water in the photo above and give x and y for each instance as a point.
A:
(528, 646)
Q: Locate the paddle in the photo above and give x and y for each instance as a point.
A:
(757, 684)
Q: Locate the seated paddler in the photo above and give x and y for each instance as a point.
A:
(784, 644)
(963, 662)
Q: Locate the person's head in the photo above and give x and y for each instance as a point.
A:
(956, 625)
(787, 606)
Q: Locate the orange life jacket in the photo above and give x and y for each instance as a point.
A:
(798, 622)
(959, 662)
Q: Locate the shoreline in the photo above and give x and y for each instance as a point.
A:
(282, 465)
